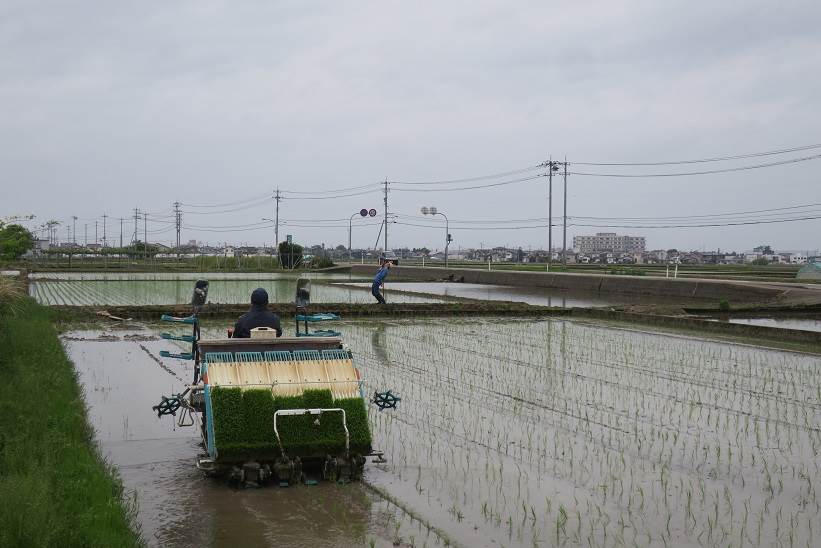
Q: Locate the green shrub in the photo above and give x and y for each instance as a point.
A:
(321, 261)
(290, 255)
(724, 305)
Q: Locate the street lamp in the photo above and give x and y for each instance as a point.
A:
(434, 211)
(350, 230)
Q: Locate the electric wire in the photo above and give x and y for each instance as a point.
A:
(472, 179)
(757, 222)
(359, 187)
(267, 195)
(703, 160)
(329, 196)
(502, 183)
(691, 173)
(621, 225)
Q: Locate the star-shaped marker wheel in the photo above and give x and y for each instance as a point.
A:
(168, 406)
(385, 400)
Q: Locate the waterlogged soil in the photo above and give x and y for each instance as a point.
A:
(122, 376)
(157, 289)
(509, 433)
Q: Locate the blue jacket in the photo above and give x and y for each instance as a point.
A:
(380, 276)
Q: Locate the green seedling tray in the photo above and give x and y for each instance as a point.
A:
(244, 424)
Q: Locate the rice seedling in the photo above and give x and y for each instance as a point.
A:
(596, 435)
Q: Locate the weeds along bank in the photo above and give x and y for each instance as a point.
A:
(55, 490)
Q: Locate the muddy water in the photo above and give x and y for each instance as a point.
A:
(782, 323)
(531, 295)
(509, 433)
(123, 376)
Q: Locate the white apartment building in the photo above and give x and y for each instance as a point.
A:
(609, 241)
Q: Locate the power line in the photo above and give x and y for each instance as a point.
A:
(706, 172)
(502, 183)
(222, 211)
(347, 189)
(229, 204)
(703, 160)
(477, 178)
(699, 218)
(801, 206)
(329, 196)
(759, 222)
(697, 225)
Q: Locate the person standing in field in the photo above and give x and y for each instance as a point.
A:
(379, 280)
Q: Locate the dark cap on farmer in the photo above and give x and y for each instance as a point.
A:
(259, 297)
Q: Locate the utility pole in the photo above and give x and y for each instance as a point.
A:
(178, 222)
(277, 197)
(85, 235)
(386, 217)
(564, 231)
(136, 218)
(121, 233)
(145, 241)
(549, 212)
(74, 228)
(95, 232)
(105, 241)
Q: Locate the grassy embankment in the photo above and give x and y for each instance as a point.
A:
(742, 271)
(269, 264)
(55, 490)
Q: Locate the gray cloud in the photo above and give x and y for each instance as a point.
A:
(111, 106)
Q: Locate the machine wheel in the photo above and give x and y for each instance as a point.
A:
(330, 471)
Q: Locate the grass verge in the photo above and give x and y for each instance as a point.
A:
(55, 489)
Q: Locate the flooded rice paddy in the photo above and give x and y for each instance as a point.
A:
(169, 289)
(806, 324)
(540, 296)
(509, 433)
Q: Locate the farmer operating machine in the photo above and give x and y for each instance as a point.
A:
(284, 409)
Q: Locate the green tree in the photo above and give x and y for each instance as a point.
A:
(138, 249)
(290, 254)
(15, 241)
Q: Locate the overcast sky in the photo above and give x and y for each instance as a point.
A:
(110, 106)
